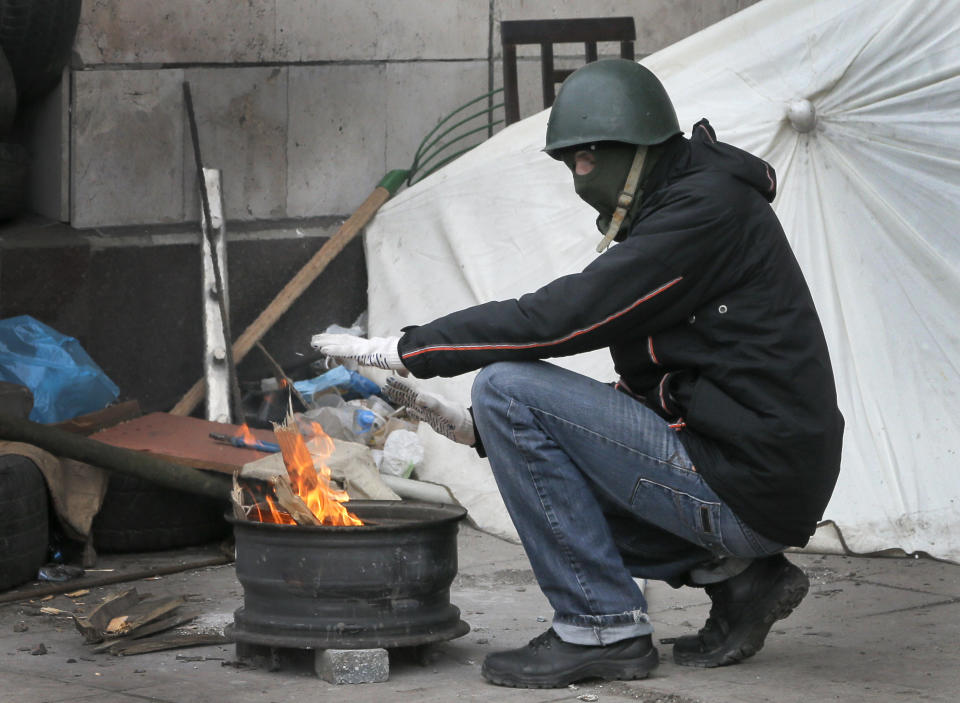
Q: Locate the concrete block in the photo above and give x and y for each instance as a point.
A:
(416, 104)
(176, 31)
(353, 665)
(336, 141)
(242, 123)
(364, 30)
(127, 148)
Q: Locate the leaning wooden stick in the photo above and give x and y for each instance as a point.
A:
(297, 285)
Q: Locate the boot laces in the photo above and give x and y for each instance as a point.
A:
(718, 622)
(544, 640)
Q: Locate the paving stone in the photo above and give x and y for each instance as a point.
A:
(353, 665)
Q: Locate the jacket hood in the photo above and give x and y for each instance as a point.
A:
(742, 165)
(681, 156)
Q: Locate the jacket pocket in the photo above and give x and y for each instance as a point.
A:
(716, 415)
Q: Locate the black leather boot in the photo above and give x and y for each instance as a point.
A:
(744, 608)
(549, 662)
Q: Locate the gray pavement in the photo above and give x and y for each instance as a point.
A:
(872, 629)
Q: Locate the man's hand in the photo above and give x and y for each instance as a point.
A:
(450, 419)
(380, 352)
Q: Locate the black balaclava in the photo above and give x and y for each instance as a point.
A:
(601, 188)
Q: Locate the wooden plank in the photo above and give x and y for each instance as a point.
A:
(96, 622)
(101, 419)
(158, 644)
(162, 625)
(184, 440)
(292, 503)
(143, 614)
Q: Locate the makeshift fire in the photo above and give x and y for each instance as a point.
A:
(305, 495)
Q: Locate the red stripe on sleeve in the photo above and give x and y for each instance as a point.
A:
(533, 345)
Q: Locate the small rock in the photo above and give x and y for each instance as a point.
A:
(38, 650)
(587, 697)
(139, 671)
(20, 626)
(521, 589)
(483, 640)
(71, 661)
(540, 619)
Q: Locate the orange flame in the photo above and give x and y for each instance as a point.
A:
(275, 516)
(281, 518)
(310, 477)
(245, 433)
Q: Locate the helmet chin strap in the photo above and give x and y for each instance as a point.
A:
(626, 198)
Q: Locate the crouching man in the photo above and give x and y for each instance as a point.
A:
(718, 447)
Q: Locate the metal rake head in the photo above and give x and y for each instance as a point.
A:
(435, 149)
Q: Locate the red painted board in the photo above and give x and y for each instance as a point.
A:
(183, 440)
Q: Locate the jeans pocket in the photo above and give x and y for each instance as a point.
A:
(681, 513)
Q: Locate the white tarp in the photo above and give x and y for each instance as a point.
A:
(870, 200)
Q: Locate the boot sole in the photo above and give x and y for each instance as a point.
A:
(610, 670)
(748, 639)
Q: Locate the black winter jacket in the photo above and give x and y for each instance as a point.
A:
(708, 318)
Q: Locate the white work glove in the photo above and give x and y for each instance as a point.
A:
(380, 352)
(445, 417)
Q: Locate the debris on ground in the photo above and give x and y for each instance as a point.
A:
(59, 572)
(128, 623)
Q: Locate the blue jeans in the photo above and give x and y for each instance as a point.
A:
(601, 491)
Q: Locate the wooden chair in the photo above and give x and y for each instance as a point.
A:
(546, 33)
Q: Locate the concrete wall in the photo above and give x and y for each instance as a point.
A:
(304, 104)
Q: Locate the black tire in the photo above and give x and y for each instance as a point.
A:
(13, 179)
(138, 516)
(37, 36)
(24, 529)
(8, 95)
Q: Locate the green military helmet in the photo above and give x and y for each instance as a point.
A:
(610, 100)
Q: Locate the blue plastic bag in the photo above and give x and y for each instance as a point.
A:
(351, 384)
(64, 380)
